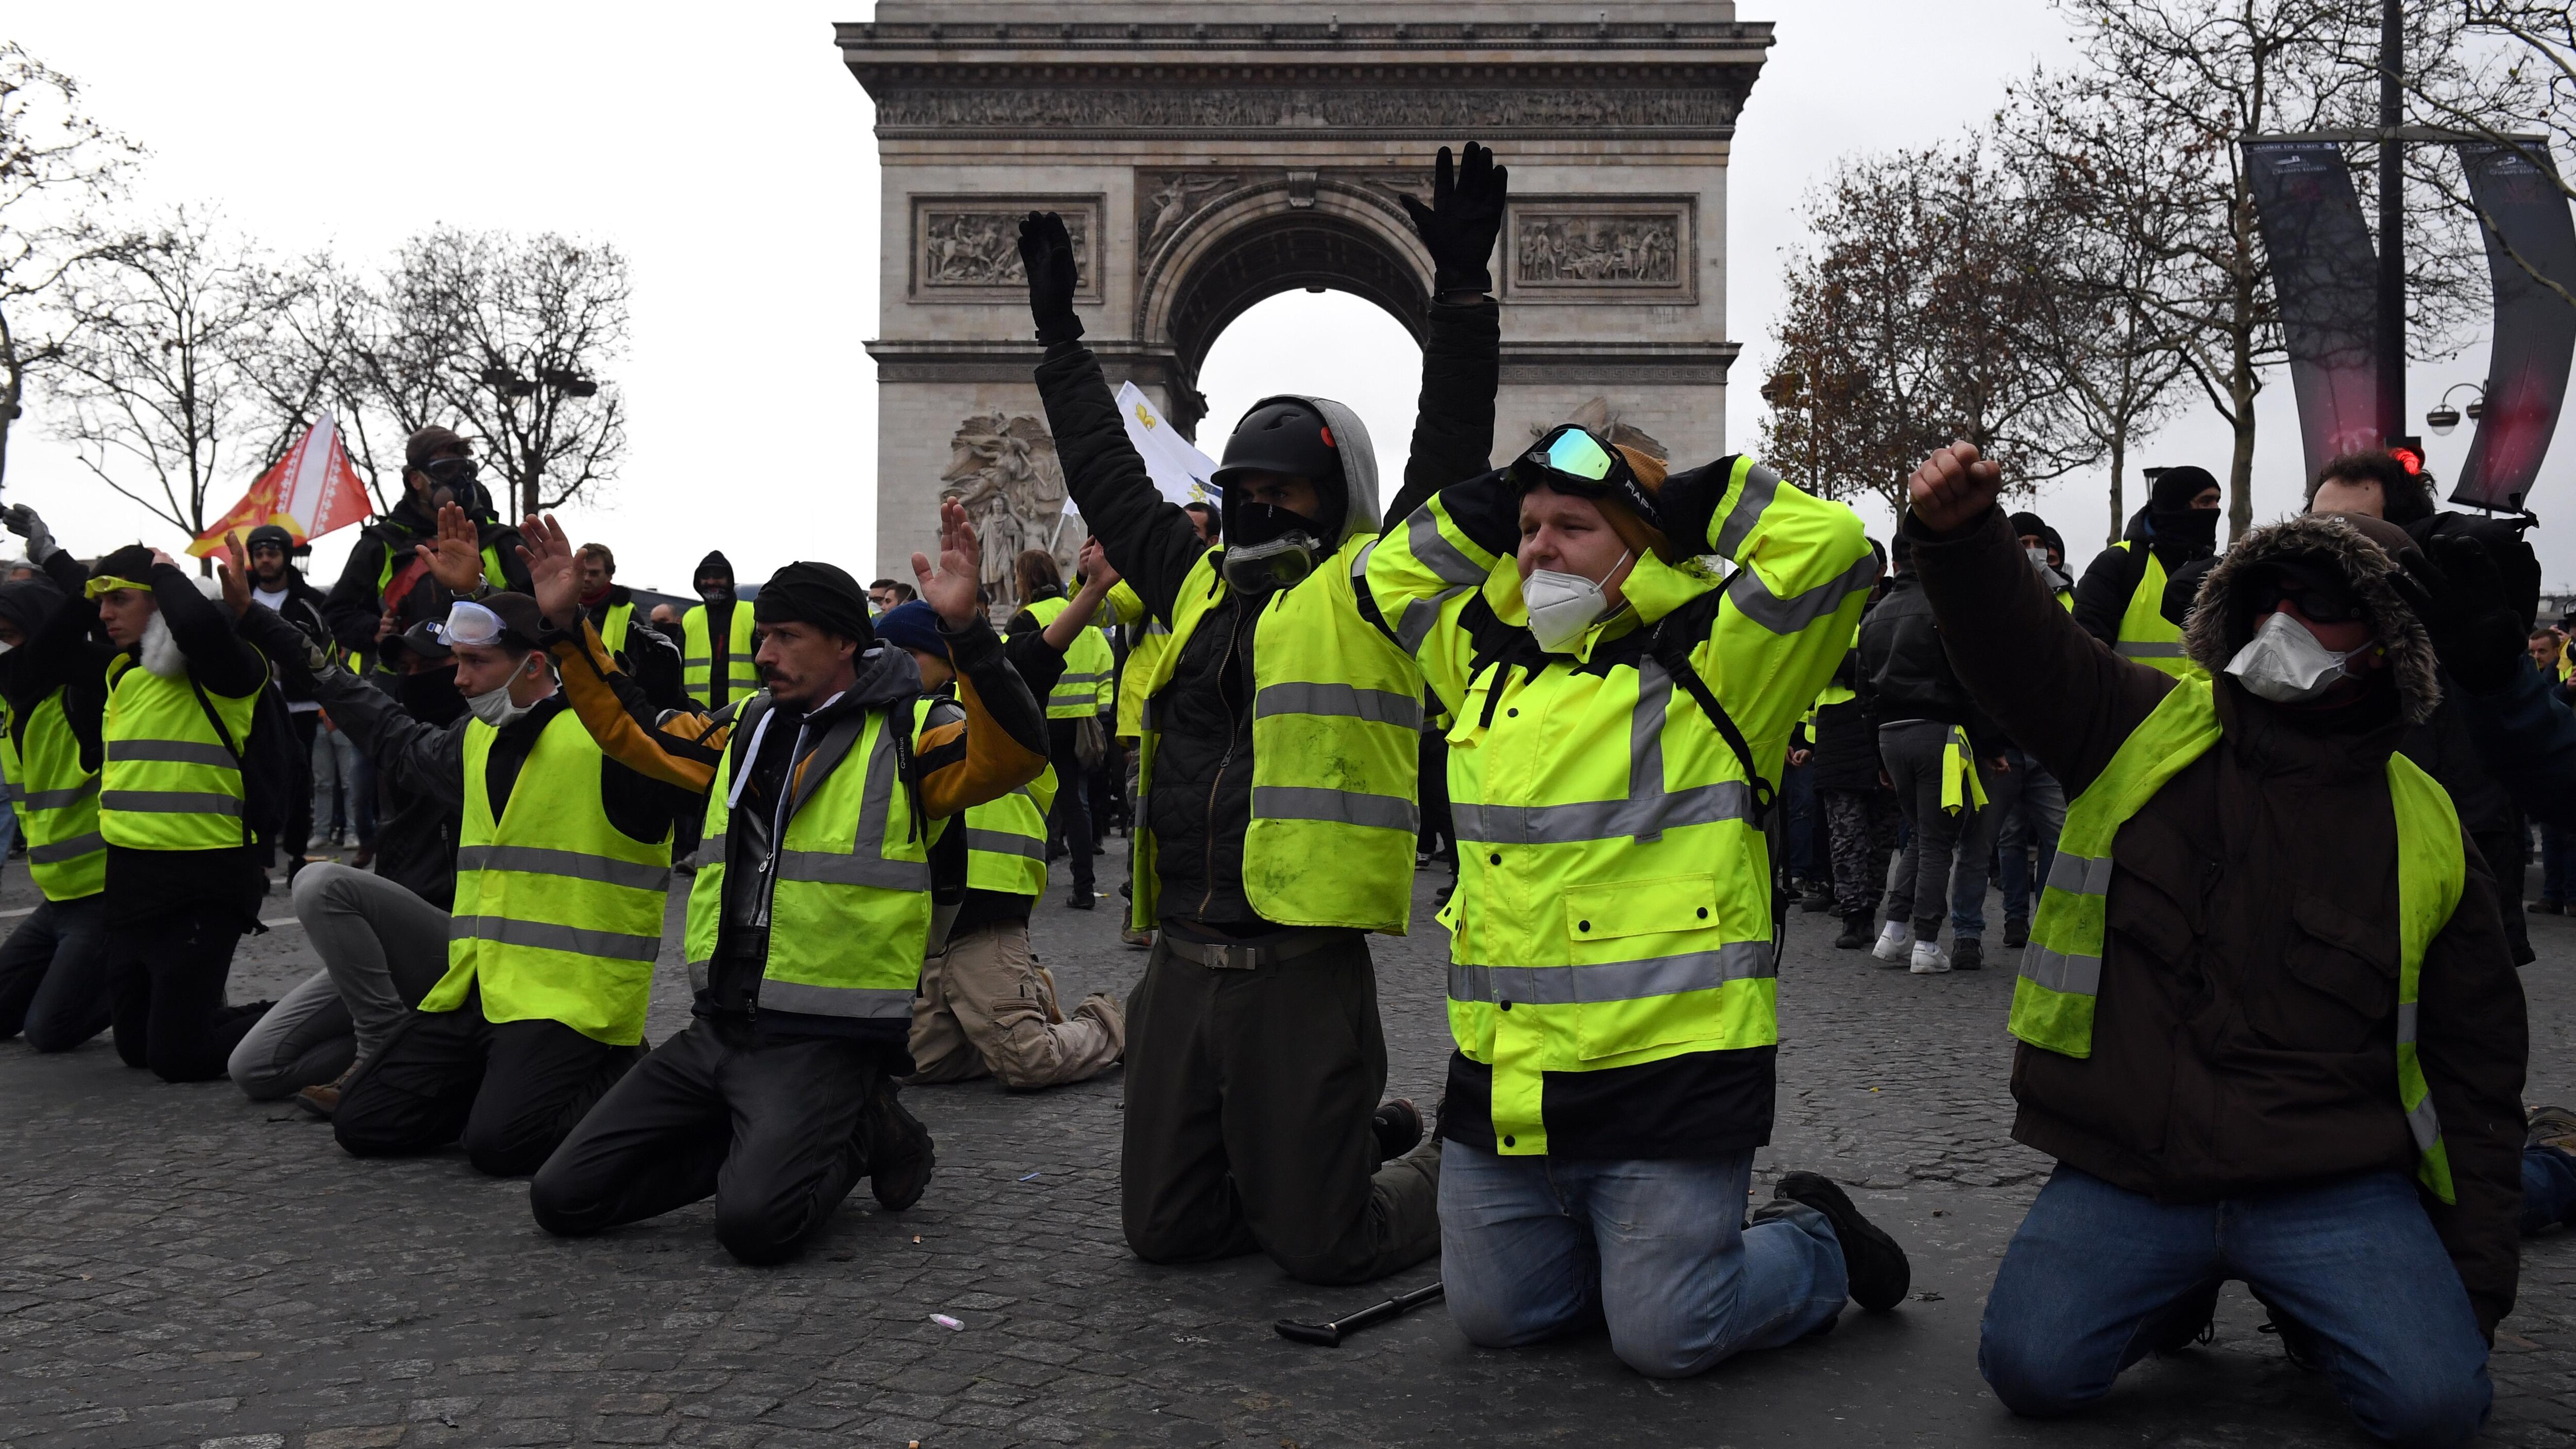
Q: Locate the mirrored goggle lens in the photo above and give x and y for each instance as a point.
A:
(1579, 455)
(468, 623)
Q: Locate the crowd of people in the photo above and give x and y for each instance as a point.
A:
(2258, 817)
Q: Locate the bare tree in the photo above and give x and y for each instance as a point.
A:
(516, 335)
(2518, 92)
(56, 163)
(159, 384)
(2102, 194)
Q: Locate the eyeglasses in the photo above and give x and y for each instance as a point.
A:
(468, 623)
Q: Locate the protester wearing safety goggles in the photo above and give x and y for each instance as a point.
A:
(387, 586)
(539, 977)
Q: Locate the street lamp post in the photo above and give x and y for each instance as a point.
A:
(2391, 337)
(558, 383)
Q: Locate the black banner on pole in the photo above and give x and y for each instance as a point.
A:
(2326, 276)
(2527, 230)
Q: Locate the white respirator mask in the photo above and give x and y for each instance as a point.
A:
(1563, 605)
(2286, 664)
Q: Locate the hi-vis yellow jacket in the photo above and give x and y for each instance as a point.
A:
(1613, 905)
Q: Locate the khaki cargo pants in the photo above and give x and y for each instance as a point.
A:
(987, 1007)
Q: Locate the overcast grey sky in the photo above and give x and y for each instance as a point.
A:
(728, 153)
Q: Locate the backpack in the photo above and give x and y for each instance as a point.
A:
(273, 769)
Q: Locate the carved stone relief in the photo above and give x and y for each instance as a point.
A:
(1004, 471)
(1166, 200)
(1036, 110)
(968, 247)
(1610, 249)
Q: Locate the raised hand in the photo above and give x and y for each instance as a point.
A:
(1093, 564)
(554, 571)
(234, 569)
(456, 560)
(1464, 217)
(24, 522)
(1954, 487)
(951, 590)
(1046, 253)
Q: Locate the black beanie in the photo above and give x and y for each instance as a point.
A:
(133, 561)
(2174, 488)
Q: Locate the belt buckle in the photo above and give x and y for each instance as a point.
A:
(1229, 958)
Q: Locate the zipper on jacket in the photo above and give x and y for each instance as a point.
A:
(1208, 869)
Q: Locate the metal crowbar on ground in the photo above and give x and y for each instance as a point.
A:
(1330, 1334)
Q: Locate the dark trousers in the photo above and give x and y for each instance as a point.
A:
(53, 975)
(1069, 819)
(2500, 846)
(166, 975)
(1247, 1123)
(510, 1090)
(299, 795)
(769, 1129)
(1437, 838)
(1862, 826)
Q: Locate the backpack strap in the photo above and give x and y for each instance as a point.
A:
(1675, 636)
(241, 767)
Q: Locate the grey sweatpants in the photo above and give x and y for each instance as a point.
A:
(382, 948)
(1918, 888)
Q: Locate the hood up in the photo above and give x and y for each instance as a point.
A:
(1359, 467)
(714, 563)
(2365, 553)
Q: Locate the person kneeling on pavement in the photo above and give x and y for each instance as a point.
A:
(825, 794)
(986, 1007)
(2269, 1022)
(1612, 937)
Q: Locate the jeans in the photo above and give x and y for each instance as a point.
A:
(53, 974)
(2555, 848)
(2548, 1189)
(2031, 805)
(382, 948)
(2097, 1275)
(1534, 1246)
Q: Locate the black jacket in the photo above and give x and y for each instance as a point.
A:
(2111, 580)
(141, 882)
(648, 658)
(1844, 738)
(303, 607)
(1200, 803)
(1905, 671)
(66, 653)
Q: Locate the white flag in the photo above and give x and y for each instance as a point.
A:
(1179, 469)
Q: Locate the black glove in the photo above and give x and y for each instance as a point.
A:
(1046, 251)
(1464, 217)
(2182, 590)
(2462, 598)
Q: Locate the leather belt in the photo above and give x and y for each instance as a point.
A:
(1226, 956)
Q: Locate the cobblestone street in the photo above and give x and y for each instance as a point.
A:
(182, 1267)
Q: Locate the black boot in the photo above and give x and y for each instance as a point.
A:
(1856, 935)
(1873, 1264)
(2016, 931)
(1967, 953)
(900, 1153)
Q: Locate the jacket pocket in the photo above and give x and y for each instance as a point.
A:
(2337, 985)
(1648, 963)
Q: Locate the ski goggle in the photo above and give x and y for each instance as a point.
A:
(469, 623)
(450, 471)
(107, 584)
(1571, 460)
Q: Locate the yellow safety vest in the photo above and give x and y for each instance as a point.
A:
(56, 800)
(558, 912)
(612, 626)
(849, 914)
(169, 781)
(1142, 654)
(2061, 972)
(1614, 889)
(698, 656)
(1089, 666)
(1336, 751)
(1006, 839)
(2146, 635)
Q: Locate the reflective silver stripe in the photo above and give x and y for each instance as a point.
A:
(1755, 601)
(63, 850)
(538, 860)
(2132, 649)
(54, 799)
(2424, 1123)
(1346, 807)
(1602, 819)
(1070, 678)
(1378, 706)
(171, 752)
(1004, 842)
(1434, 551)
(1612, 981)
(806, 999)
(825, 867)
(1421, 616)
(2081, 875)
(1760, 486)
(698, 974)
(170, 802)
(712, 848)
(549, 936)
(2073, 975)
(2406, 1021)
(703, 661)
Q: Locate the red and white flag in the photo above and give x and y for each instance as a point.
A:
(310, 492)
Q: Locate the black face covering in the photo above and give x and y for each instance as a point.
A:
(1259, 523)
(1269, 548)
(2192, 530)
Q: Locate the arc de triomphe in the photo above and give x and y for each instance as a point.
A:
(1209, 155)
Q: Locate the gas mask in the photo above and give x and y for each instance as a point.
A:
(1563, 605)
(1271, 548)
(2286, 664)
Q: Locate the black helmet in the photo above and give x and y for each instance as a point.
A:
(269, 533)
(1286, 436)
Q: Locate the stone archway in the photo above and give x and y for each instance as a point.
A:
(1207, 155)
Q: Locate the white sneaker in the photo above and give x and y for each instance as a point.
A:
(1892, 940)
(1929, 959)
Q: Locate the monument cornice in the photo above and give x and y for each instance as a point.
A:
(1235, 40)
